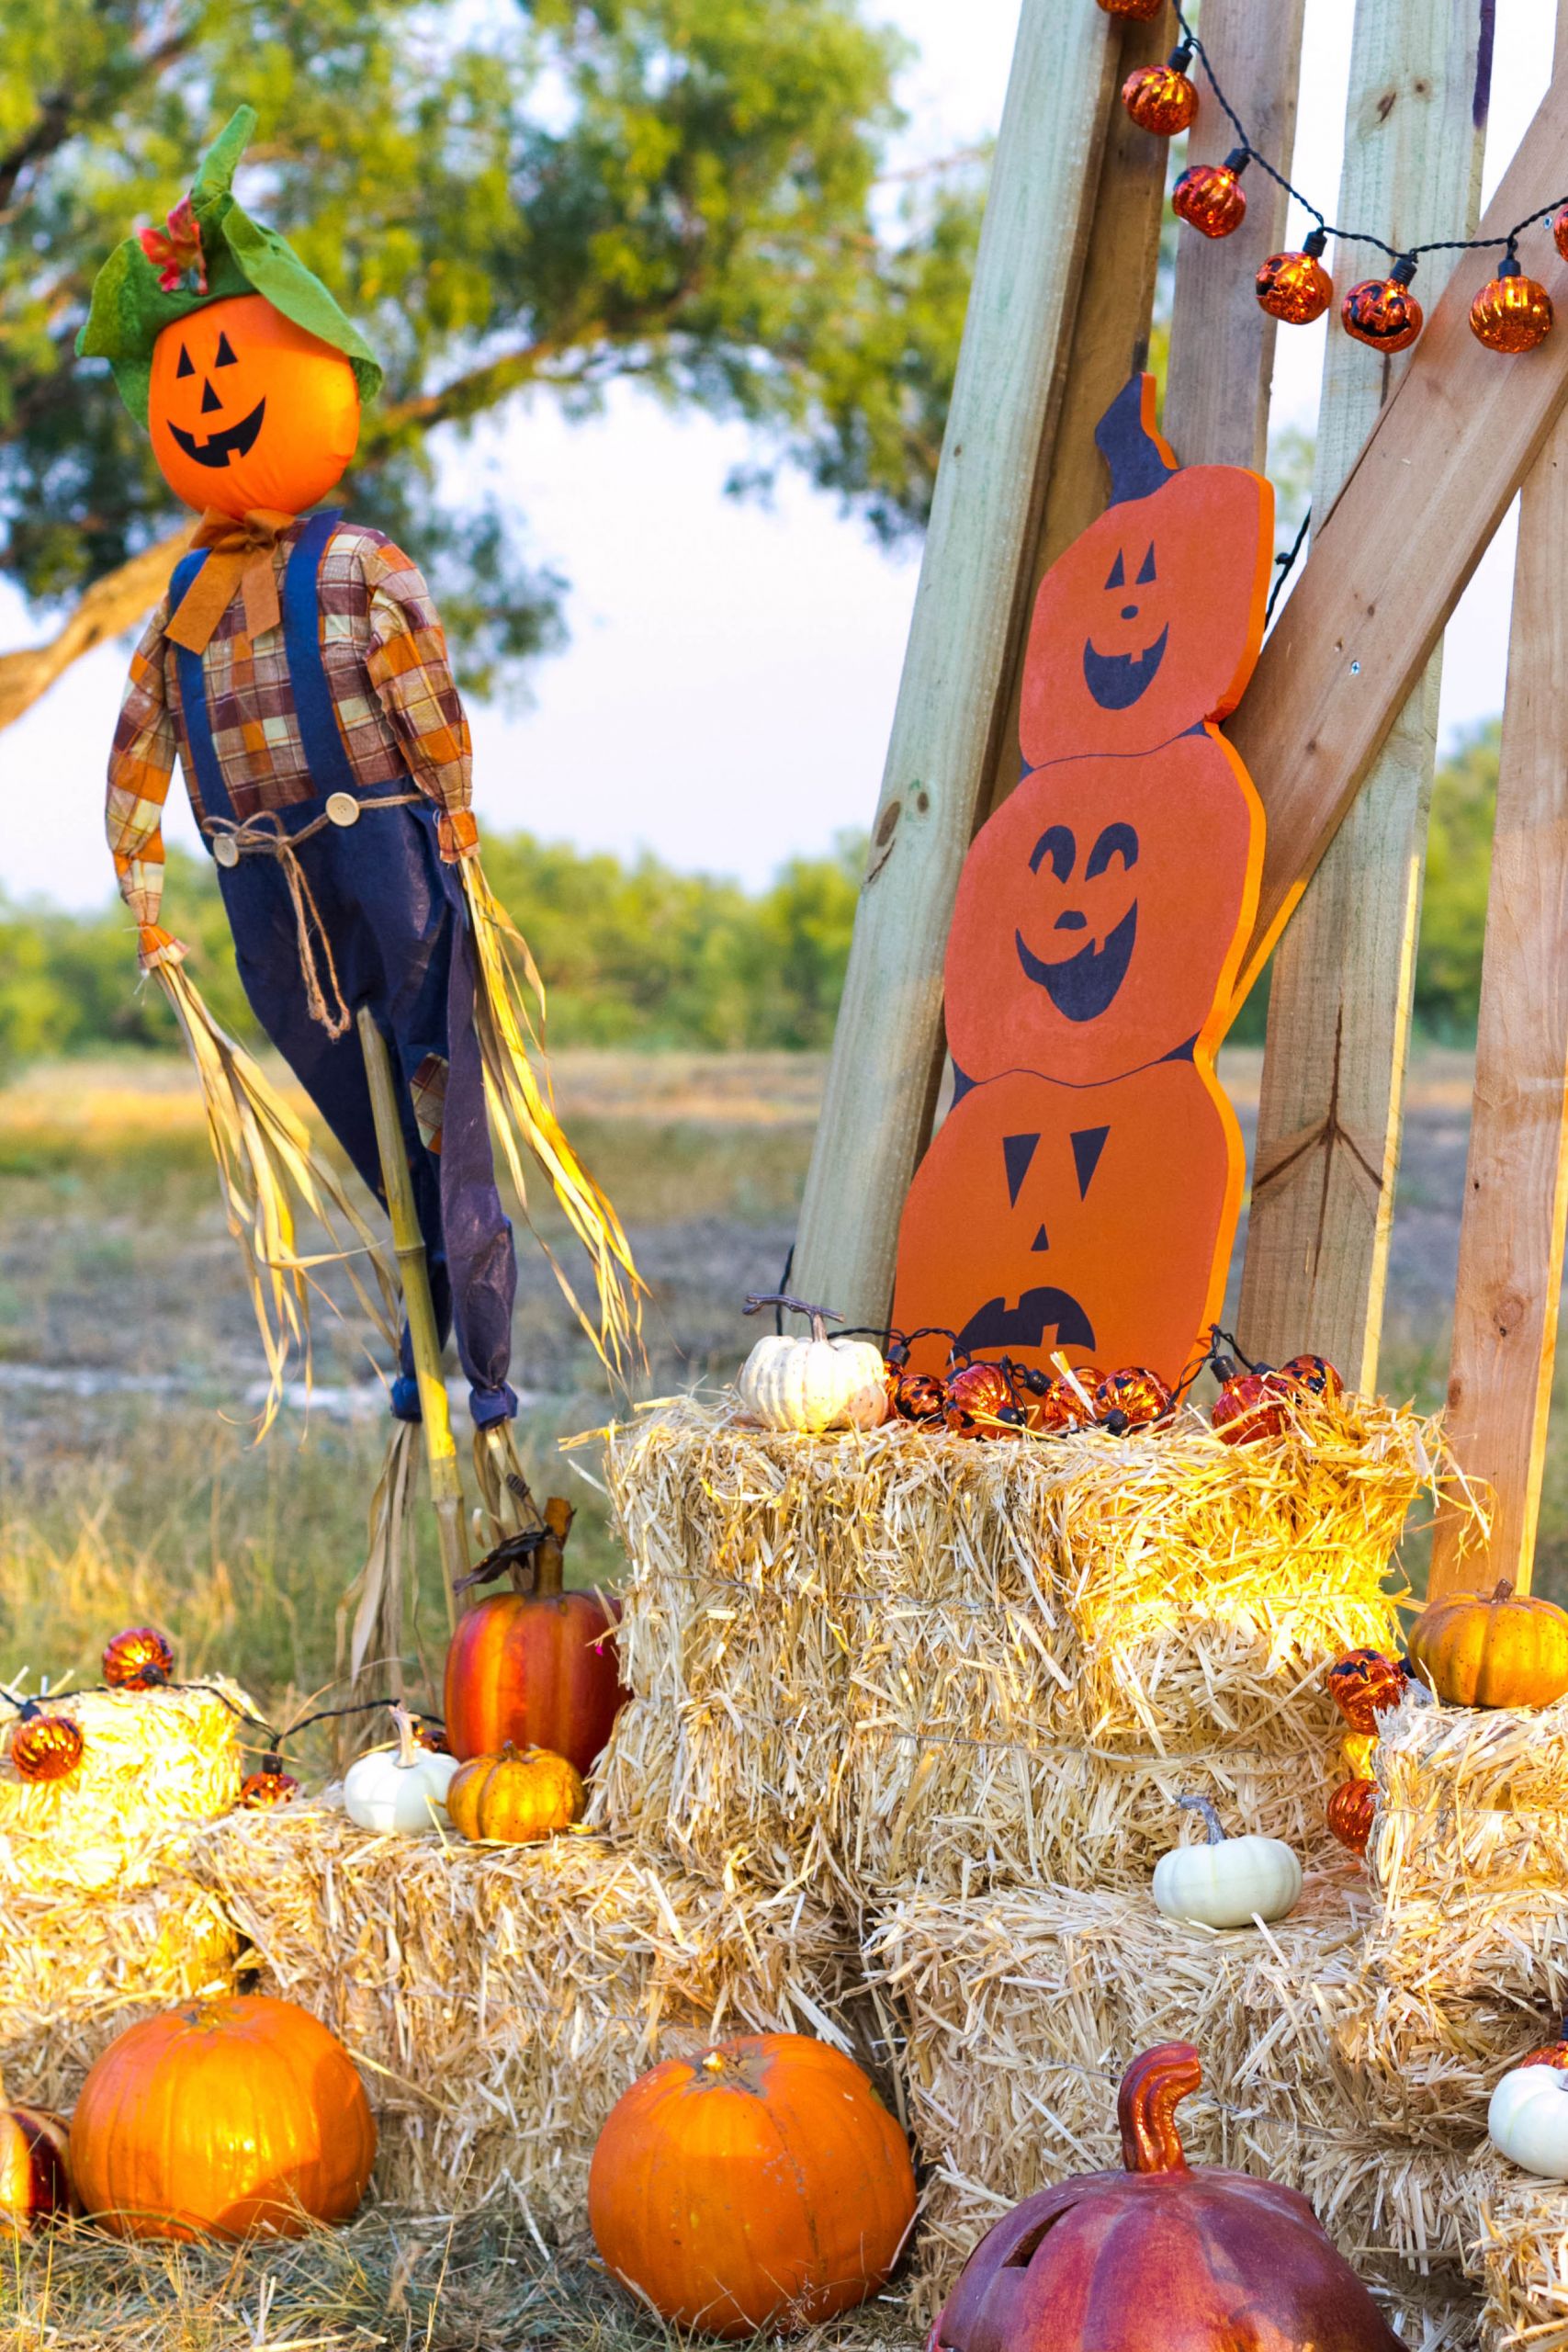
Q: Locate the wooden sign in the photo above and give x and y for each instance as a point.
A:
(1083, 1191)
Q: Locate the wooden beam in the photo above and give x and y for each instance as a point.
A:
(1333, 1087)
(1516, 1193)
(1435, 479)
(876, 1105)
(1222, 342)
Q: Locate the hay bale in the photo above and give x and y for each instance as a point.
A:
(911, 1657)
(153, 1764)
(76, 1969)
(500, 1999)
(1469, 1799)
(1521, 2258)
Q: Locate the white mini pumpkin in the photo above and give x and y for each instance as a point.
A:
(1229, 1882)
(403, 1787)
(1528, 2120)
(813, 1384)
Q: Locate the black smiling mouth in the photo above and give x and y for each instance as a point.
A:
(1116, 680)
(1083, 987)
(234, 441)
(998, 1325)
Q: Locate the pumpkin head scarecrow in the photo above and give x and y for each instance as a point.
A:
(298, 666)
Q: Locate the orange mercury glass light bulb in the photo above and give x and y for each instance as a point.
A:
(1512, 313)
(1137, 12)
(1381, 311)
(1162, 99)
(1559, 232)
(1295, 287)
(1210, 198)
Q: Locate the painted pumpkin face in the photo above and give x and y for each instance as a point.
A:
(248, 410)
(1152, 619)
(1100, 914)
(1016, 1230)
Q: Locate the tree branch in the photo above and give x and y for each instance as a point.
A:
(113, 602)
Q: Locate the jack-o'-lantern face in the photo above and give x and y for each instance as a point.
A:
(1100, 914)
(1094, 1220)
(1152, 620)
(248, 410)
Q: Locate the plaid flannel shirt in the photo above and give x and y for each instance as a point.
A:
(391, 685)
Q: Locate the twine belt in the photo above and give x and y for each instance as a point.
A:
(264, 831)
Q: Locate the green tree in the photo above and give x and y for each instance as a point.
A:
(531, 194)
(1459, 874)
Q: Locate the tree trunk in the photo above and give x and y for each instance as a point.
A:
(116, 602)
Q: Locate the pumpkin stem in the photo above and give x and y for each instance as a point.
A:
(547, 1559)
(820, 1316)
(1146, 2106)
(1210, 1818)
(407, 1751)
(1503, 1590)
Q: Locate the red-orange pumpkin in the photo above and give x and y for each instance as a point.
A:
(1160, 2255)
(35, 2175)
(233, 2115)
(246, 408)
(763, 2185)
(538, 1670)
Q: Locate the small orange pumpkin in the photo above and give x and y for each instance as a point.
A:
(35, 2171)
(1498, 1649)
(762, 2184)
(246, 408)
(516, 1798)
(235, 2115)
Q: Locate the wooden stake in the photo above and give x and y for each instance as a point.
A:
(877, 1107)
(1516, 1193)
(1329, 1118)
(440, 1447)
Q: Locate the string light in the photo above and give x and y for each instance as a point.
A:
(1511, 313)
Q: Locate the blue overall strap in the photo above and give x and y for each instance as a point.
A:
(198, 719)
(324, 754)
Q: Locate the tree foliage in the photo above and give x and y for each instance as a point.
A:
(508, 195)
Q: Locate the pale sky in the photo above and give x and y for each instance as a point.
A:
(726, 697)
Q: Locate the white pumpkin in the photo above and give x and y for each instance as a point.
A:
(403, 1787)
(1229, 1882)
(1528, 2120)
(816, 1384)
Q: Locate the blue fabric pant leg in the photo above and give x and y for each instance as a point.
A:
(395, 918)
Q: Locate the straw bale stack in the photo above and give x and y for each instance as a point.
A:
(153, 1764)
(500, 1999)
(1520, 2254)
(912, 1659)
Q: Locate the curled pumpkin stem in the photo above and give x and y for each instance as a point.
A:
(820, 1316)
(1211, 1819)
(1152, 2088)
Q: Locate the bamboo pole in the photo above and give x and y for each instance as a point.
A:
(1333, 1087)
(877, 1101)
(440, 1447)
(1516, 1193)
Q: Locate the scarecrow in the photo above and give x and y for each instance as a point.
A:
(298, 664)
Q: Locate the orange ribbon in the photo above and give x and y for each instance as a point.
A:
(239, 556)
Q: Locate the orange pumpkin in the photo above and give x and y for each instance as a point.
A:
(1498, 1649)
(248, 410)
(235, 2115)
(538, 1670)
(1102, 914)
(138, 1659)
(516, 1798)
(763, 2185)
(35, 2175)
(43, 1745)
(1153, 618)
(1017, 1230)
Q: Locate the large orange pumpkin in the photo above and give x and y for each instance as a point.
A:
(233, 2115)
(1498, 1649)
(535, 1670)
(35, 2175)
(1102, 914)
(1092, 1219)
(246, 408)
(1153, 618)
(763, 2185)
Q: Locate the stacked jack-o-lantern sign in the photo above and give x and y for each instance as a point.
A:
(1081, 1197)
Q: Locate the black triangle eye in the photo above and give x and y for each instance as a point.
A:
(1118, 573)
(226, 359)
(1146, 570)
(185, 367)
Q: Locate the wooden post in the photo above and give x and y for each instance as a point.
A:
(441, 1452)
(1515, 1193)
(877, 1101)
(1332, 1096)
(1222, 342)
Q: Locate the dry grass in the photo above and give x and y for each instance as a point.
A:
(1521, 2258)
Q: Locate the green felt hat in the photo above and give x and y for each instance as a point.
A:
(237, 255)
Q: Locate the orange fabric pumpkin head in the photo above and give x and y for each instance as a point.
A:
(1100, 914)
(1016, 1230)
(1172, 581)
(247, 410)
